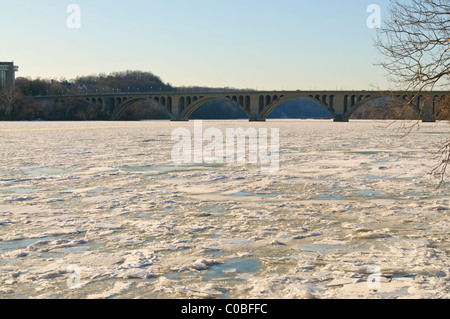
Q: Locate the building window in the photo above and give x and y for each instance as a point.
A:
(2, 80)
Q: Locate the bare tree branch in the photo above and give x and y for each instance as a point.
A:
(415, 44)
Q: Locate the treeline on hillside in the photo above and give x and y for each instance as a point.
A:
(126, 81)
(121, 82)
(18, 104)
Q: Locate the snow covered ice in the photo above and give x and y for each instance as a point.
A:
(348, 198)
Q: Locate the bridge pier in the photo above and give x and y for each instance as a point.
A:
(256, 118)
(428, 111)
(428, 118)
(340, 118)
(177, 118)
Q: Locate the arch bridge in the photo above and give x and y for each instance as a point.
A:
(256, 104)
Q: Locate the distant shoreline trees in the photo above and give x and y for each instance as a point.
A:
(19, 104)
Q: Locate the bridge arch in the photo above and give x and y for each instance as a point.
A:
(189, 109)
(318, 99)
(401, 100)
(95, 103)
(127, 102)
(77, 108)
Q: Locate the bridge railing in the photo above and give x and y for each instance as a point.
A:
(177, 92)
(139, 92)
(191, 92)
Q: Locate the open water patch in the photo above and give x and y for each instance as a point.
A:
(22, 243)
(367, 192)
(372, 177)
(329, 197)
(324, 249)
(20, 190)
(46, 171)
(247, 194)
(237, 241)
(98, 191)
(232, 268)
(157, 170)
(215, 208)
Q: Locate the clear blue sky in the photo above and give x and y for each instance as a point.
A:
(260, 44)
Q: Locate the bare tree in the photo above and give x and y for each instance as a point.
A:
(8, 100)
(415, 43)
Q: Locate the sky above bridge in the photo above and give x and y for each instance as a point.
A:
(257, 44)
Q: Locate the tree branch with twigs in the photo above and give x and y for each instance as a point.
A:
(415, 44)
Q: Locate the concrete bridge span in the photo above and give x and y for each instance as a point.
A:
(256, 104)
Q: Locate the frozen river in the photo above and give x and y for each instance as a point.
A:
(98, 210)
